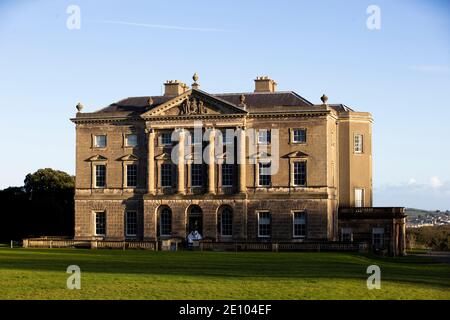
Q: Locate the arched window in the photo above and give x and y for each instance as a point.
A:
(165, 222)
(226, 222)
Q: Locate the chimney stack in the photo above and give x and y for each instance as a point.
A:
(265, 84)
(174, 88)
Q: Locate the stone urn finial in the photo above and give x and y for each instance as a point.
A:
(324, 99)
(242, 99)
(195, 85)
(195, 77)
(150, 101)
(79, 107)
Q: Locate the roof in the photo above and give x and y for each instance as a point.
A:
(255, 102)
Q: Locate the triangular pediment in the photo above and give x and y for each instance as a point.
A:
(97, 157)
(260, 155)
(296, 154)
(194, 103)
(163, 156)
(128, 157)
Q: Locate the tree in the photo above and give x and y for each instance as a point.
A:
(48, 181)
(43, 206)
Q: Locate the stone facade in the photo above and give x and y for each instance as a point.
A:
(338, 174)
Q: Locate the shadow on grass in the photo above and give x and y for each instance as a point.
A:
(243, 265)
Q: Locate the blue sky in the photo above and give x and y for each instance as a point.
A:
(400, 73)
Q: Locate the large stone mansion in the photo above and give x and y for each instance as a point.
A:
(256, 166)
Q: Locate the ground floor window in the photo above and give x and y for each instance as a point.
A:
(131, 223)
(299, 224)
(346, 235)
(100, 223)
(264, 224)
(226, 222)
(165, 222)
(377, 237)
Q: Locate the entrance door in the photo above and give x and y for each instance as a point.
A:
(195, 220)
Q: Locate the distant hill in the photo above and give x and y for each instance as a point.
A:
(412, 212)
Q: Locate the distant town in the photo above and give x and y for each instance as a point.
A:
(423, 218)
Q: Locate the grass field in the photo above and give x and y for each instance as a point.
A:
(110, 274)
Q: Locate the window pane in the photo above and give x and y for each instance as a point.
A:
(165, 222)
(264, 174)
(131, 140)
(264, 136)
(299, 224)
(359, 198)
(377, 237)
(299, 135)
(358, 144)
(197, 175)
(166, 138)
(264, 224)
(131, 223)
(166, 175)
(100, 176)
(100, 223)
(131, 175)
(226, 222)
(227, 174)
(100, 141)
(300, 173)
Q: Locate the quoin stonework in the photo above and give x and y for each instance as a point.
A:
(261, 166)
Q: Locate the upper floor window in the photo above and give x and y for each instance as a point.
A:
(100, 141)
(227, 175)
(264, 136)
(166, 175)
(131, 140)
(196, 175)
(264, 224)
(166, 139)
(358, 143)
(359, 197)
(132, 174)
(299, 173)
(131, 223)
(299, 224)
(264, 177)
(299, 135)
(195, 137)
(100, 176)
(100, 223)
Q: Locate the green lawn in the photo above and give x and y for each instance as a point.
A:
(115, 274)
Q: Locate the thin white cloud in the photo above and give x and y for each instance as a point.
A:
(412, 181)
(162, 26)
(430, 68)
(435, 182)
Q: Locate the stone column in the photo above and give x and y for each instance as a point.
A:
(151, 162)
(181, 163)
(211, 162)
(402, 236)
(242, 161)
